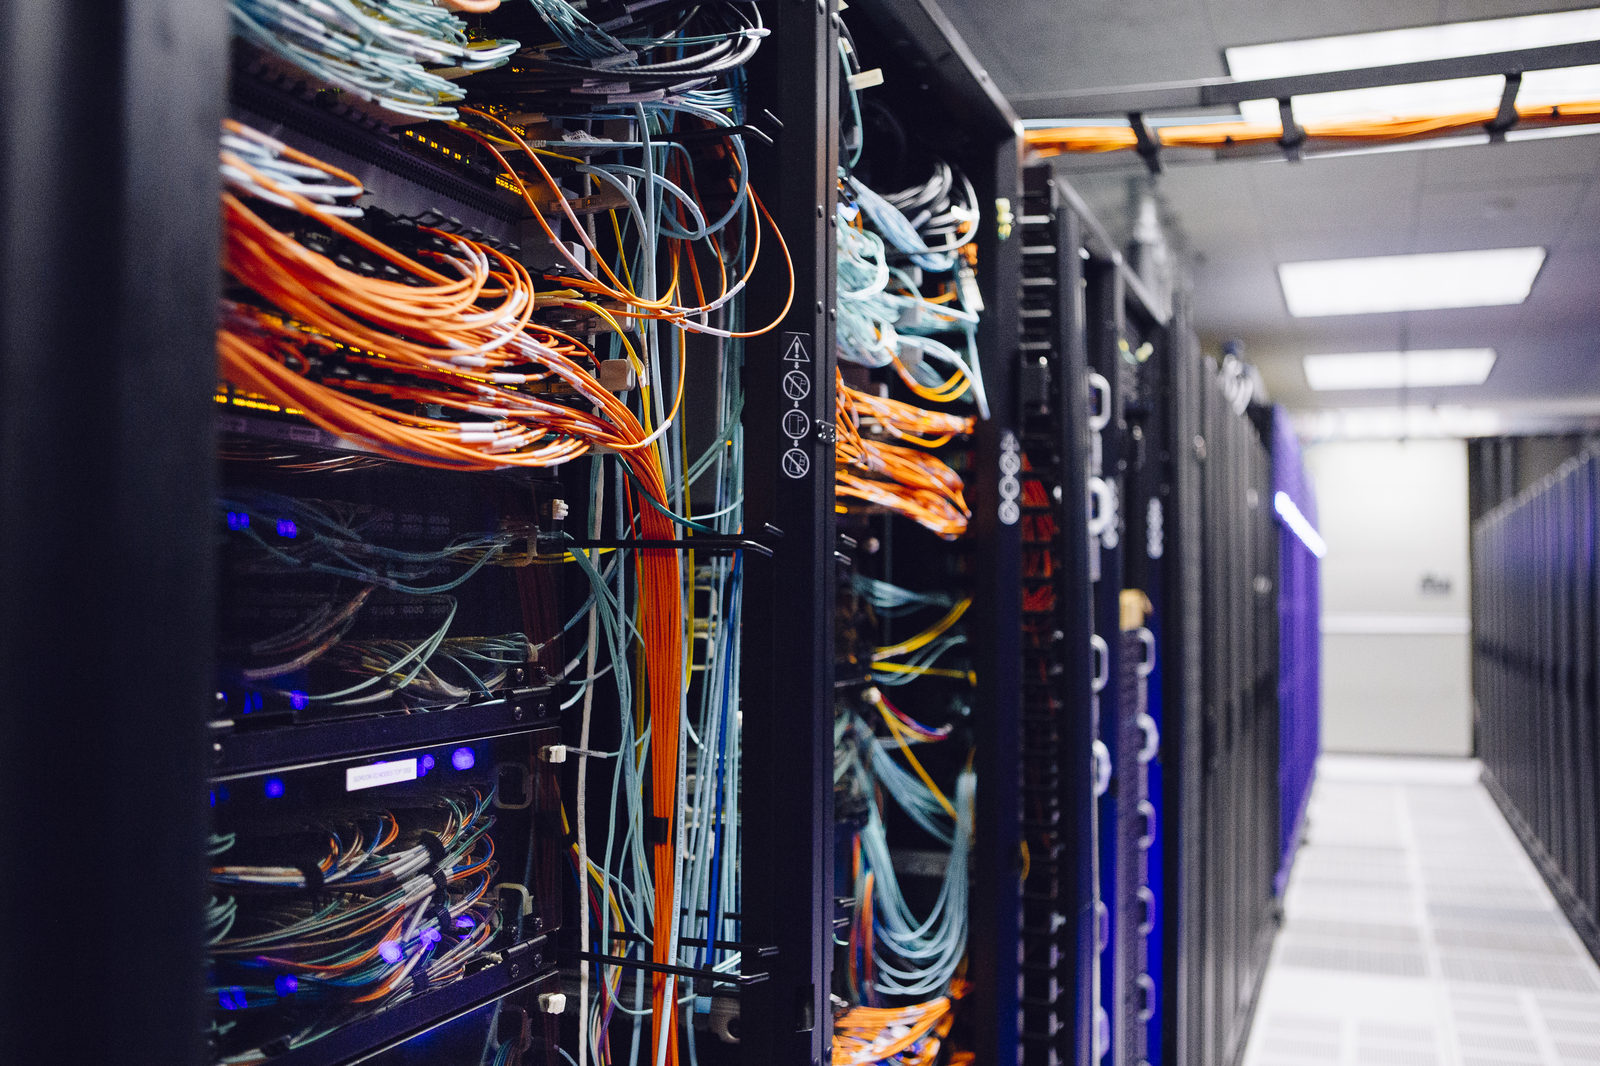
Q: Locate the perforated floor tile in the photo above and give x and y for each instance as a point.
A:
(1417, 933)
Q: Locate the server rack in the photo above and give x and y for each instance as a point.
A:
(1299, 639)
(1224, 848)
(1534, 645)
(1200, 545)
(948, 104)
(149, 577)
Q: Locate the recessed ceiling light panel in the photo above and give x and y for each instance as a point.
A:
(1394, 370)
(1486, 278)
(1452, 40)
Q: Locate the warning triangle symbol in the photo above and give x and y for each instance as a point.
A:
(796, 352)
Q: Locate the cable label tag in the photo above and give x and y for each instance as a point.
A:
(379, 773)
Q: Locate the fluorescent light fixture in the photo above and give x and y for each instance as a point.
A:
(1486, 278)
(1395, 370)
(1453, 40)
(1299, 525)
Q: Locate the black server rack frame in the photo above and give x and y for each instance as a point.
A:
(105, 533)
(1060, 929)
(787, 673)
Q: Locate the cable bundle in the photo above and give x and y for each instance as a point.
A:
(376, 49)
(634, 59)
(884, 320)
(379, 928)
(895, 1036)
(892, 952)
(925, 649)
(432, 341)
(1341, 133)
(904, 480)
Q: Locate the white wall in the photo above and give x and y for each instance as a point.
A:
(1395, 600)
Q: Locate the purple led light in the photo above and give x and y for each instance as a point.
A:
(286, 984)
(463, 758)
(238, 520)
(428, 936)
(287, 528)
(391, 951)
(298, 700)
(424, 765)
(465, 922)
(273, 787)
(232, 998)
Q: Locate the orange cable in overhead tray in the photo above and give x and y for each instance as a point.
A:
(1067, 140)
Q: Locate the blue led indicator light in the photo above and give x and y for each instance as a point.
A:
(238, 520)
(274, 787)
(287, 528)
(429, 935)
(232, 998)
(424, 765)
(463, 758)
(391, 951)
(298, 700)
(465, 922)
(286, 984)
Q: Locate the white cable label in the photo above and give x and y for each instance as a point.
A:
(379, 773)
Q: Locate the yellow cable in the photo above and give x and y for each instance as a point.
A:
(969, 676)
(927, 636)
(896, 730)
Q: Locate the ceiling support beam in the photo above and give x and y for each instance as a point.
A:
(1226, 92)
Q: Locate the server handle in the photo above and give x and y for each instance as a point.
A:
(1148, 984)
(1148, 898)
(1102, 508)
(1147, 809)
(1152, 737)
(1146, 665)
(1099, 402)
(1102, 662)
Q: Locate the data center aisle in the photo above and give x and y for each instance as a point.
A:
(1418, 933)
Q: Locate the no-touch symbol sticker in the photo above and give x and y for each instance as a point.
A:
(796, 463)
(796, 385)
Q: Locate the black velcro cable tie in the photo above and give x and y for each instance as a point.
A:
(659, 829)
(442, 883)
(435, 848)
(273, 1048)
(313, 875)
(445, 923)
